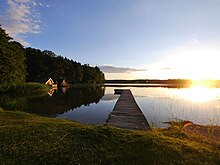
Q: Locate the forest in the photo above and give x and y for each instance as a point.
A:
(19, 65)
(44, 64)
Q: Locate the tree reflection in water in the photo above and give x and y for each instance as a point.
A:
(57, 103)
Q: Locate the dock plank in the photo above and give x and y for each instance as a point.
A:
(127, 114)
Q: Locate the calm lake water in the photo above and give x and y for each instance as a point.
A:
(93, 105)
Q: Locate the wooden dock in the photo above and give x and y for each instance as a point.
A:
(126, 114)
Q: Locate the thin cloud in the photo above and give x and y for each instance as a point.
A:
(20, 19)
(166, 68)
(195, 41)
(114, 69)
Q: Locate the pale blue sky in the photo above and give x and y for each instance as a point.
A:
(142, 36)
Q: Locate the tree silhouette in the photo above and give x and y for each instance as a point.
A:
(44, 64)
(12, 60)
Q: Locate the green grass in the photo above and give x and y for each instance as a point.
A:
(30, 139)
(24, 88)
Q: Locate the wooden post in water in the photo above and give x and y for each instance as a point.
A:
(127, 114)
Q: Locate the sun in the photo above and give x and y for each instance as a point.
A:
(199, 64)
(195, 63)
(203, 83)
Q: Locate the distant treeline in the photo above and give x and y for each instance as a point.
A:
(18, 65)
(167, 83)
(150, 81)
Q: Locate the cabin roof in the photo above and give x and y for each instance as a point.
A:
(49, 81)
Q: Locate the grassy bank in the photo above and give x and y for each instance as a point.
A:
(30, 139)
(24, 88)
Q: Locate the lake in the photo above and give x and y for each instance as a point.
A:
(93, 105)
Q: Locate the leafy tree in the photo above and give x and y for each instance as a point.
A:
(36, 67)
(44, 64)
(40, 65)
(12, 60)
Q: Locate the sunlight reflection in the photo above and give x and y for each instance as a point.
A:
(199, 92)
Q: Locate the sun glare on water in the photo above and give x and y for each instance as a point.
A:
(199, 92)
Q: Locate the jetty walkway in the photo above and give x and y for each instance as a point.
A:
(127, 114)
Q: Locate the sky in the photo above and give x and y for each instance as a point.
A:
(127, 39)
